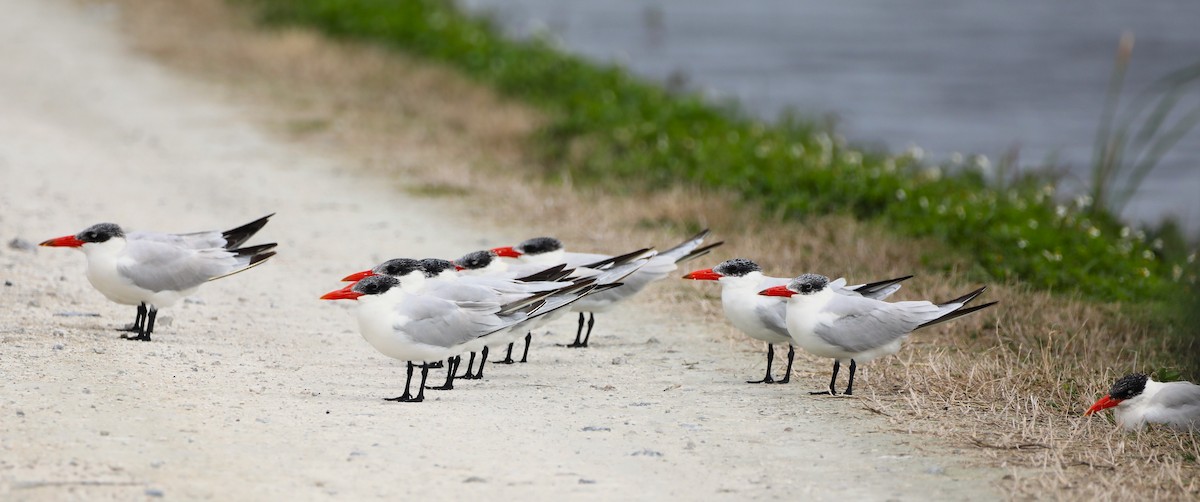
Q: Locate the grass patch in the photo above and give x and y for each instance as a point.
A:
(608, 126)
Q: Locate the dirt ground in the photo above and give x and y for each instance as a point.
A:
(254, 389)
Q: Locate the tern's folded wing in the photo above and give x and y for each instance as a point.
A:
(160, 266)
(444, 323)
(863, 324)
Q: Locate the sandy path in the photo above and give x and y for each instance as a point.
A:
(256, 390)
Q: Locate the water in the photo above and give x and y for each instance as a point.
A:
(949, 76)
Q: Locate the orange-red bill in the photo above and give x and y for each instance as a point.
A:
(704, 274)
(358, 276)
(777, 291)
(507, 252)
(1102, 404)
(345, 293)
(68, 241)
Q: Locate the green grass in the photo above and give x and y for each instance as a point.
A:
(607, 126)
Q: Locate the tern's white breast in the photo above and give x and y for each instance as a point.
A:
(743, 304)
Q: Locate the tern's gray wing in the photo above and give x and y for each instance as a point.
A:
(1178, 403)
(773, 316)
(863, 324)
(444, 323)
(160, 266)
(196, 240)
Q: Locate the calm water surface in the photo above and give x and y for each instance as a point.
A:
(964, 76)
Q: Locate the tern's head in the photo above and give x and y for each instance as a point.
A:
(737, 267)
(1127, 387)
(395, 267)
(95, 234)
(539, 245)
(369, 286)
(477, 260)
(530, 247)
(807, 284)
(434, 267)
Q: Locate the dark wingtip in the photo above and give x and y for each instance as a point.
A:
(698, 252)
(237, 236)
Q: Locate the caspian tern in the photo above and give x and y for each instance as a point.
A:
(1138, 401)
(606, 271)
(441, 279)
(155, 270)
(829, 323)
(421, 328)
(764, 317)
(548, 250)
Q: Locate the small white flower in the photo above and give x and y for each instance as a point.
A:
(1148, 255)
(1033, 224)
(900, 194)
(914, 151)
(1094, 232)
(956, 158)
(1124, 232)
(1022, 243)
(1060, 210)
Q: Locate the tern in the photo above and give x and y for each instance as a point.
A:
(548, 251)
(421, 328)
(440, 278)
(155, 270)
(829, 323)
(606, 271)
(765, 317)
(1138, 401)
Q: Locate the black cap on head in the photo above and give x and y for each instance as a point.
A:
(397, 267)
(375, 284)
(808, 284)
(100, 232)
(476, 260)
(736, 267)
(539, 245)
(1128, 386)
(435, 266)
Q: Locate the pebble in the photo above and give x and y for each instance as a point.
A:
(935, 469)
(8, 283)
(587, 481)
(593, 428)
(652, 340)
(617, 361)
(58, 346)
(153, 492)
(474, 479)
(646, 453)
(20, 244)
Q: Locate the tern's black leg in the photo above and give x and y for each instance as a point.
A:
(591, 322)
(483, 354)
(850, 387)
(470, 364)
(578, 334)
(144, 334)
(525, 355)
(787, 376)
(136, 327)
(507, 357)
(421, 393)
(770, 358)
(836, 366)
(451, 368)
(407, 380)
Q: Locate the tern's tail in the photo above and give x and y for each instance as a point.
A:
(953, 309)
(249, 257)
(690, 248)
(237, 236)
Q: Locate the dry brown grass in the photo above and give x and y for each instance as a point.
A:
(1008, 384)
